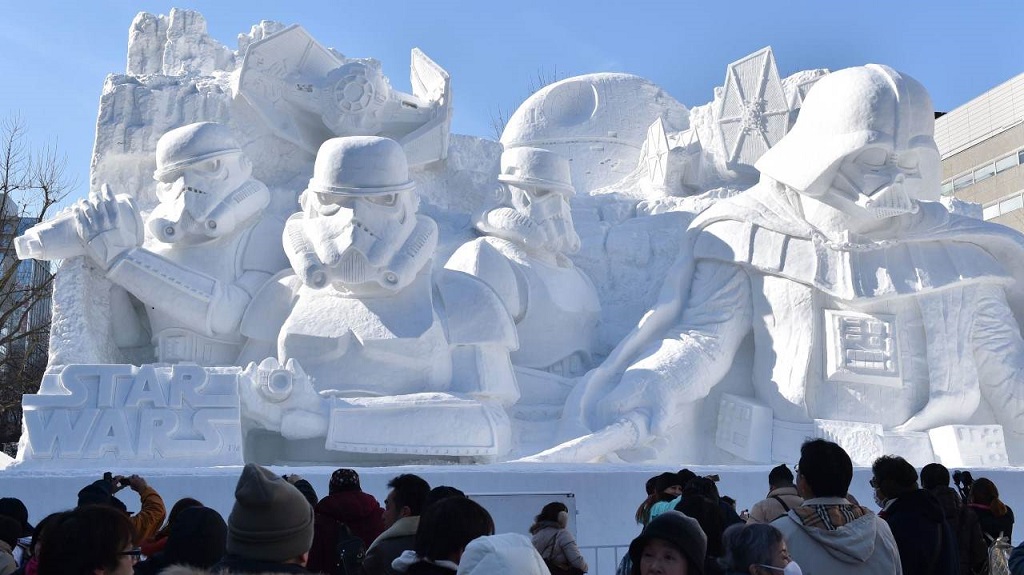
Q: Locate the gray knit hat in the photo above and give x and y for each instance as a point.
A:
(679, 530)
(271, 519)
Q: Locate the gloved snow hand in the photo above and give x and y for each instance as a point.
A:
(108, 226)
(282, 398)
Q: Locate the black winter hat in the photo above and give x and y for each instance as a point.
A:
(680, 531)
(15, 509)
(271, 520)
(197, 537)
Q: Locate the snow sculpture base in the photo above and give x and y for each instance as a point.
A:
(94, 416)
(969, 445)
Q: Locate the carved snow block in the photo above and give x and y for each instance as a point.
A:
(418, 424)
(862, 441)
(105, 416)
(787, 437)
(969, 445)
(744, 428)
(914, 446)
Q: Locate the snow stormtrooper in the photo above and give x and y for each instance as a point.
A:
(207, 253)
(523, 256)
(370, 323)
(863, 302)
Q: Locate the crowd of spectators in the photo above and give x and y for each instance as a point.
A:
(807, 522)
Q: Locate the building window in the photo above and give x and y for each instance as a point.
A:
(989, 212)
(1008, 205)
(1006, 163)
(947, 189)
(962, 182)
(984, 173)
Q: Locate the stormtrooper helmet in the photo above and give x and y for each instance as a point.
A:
(540, 186)
(864, 139)
(204, 184)
(360, 212)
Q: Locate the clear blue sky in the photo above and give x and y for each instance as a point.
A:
(54, 56)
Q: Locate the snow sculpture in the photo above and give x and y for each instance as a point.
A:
(597, 121)
(523, 257)
(209, 250)
(89, 416)
(869, 311)
(753, 113)
(306, 94)
(380, 335)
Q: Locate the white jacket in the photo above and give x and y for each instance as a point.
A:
(505, 554)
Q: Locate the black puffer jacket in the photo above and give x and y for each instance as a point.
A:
(926, 543)
(963, 521)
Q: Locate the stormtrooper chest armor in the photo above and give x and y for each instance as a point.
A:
(387, 345)
(560, 320)
(221, 260)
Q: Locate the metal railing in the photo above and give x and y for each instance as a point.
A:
(603, 559)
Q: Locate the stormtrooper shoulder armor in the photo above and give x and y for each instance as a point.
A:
(484, 258)
(473, 312)
(270, 307)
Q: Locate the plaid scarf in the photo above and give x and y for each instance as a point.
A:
(829, 517)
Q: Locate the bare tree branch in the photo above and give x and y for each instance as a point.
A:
(32, 182)
(543, 77)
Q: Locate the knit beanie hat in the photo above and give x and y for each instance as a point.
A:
(197, 537)
(680, 531)
(344, 480)
(15, 509)
(271, 520)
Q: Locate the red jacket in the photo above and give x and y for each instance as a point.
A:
(359, 511)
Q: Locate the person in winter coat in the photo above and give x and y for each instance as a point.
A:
(828, 534)
(709, 516)
(667, 489)
(151, 514)
(269, 530)
(925, 541)
(88, 540)
(15, 509)
(10, 532)
(553, 541)
(971, 547)
(1016, 561)
(444, 531)
(671, 544)
(996, 517)
(345, 504)
(505, 554)
(196, 538)
(402, 508)
(756, 549)
(782, 497)
(156, 544)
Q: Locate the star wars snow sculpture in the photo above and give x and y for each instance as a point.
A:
(876, 317)
(523, 256)
(389, 344)
(307, 93)
(207, 252)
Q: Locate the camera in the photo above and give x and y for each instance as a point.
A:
(963, 481)
(121, 481)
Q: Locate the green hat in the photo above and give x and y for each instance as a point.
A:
(271, 519)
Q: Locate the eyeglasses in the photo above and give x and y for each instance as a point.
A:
(873, 482)
(135, 553)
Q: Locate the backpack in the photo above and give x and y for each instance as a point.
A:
(349, 551)
(998, 555)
